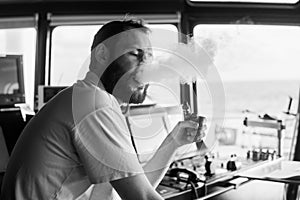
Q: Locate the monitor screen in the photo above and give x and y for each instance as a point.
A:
(46, 93)
(11, 80)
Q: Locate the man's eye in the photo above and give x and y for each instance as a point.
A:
(134, 53)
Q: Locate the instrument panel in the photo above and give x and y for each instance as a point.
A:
(202, 176)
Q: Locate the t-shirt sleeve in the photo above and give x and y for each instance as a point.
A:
(102, 141)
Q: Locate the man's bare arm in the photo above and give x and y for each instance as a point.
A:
(141, 187)
(135, 188)
(183, 133)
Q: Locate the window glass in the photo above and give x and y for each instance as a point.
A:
(71, 48)
(21, 41)
(259, 68)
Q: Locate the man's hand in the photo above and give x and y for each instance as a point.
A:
(186, 132)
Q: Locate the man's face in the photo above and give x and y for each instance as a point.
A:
(123, 76)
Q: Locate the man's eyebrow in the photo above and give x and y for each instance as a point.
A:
(139, 47)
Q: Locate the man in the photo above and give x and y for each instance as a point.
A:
(80, 140)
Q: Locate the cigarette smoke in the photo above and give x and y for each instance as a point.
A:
(175, 59)
(175, 62)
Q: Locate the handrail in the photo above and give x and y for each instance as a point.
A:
(216, 193)
(233, 184)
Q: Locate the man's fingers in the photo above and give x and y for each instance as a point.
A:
(199, 137)
(188, 124)
(192, 131)
(191, 138)
(192, 124)
(194, 137)
(204, 127)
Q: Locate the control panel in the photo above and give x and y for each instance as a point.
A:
(197, 175)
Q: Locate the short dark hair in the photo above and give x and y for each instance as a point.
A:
(116, 27)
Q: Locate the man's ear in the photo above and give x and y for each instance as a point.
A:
(101, 53)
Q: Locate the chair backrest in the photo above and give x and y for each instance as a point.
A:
(12, 124)
(3, 153)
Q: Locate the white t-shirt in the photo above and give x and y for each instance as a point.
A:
(78, 142)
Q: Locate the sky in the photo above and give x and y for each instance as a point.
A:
(253, 52)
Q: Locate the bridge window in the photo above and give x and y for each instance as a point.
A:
(259, 68)
(71, 49)
(21, 41)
